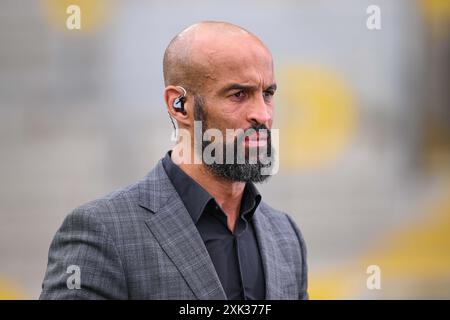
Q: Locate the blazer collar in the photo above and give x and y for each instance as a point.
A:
(270, 254)
(175, 231)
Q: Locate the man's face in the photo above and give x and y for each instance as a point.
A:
(238, 94)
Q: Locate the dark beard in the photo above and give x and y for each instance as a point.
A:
(238, 171)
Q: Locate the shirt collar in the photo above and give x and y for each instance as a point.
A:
(196, 199)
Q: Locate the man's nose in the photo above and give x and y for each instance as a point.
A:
(259, 112)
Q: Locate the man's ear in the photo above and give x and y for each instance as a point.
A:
(183, 116)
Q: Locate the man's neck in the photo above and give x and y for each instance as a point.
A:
(228, 194)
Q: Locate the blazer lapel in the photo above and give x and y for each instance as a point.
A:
(270, 256)
(175, 231)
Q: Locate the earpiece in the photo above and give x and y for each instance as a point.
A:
(178, 103)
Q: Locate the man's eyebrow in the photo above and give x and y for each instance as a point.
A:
(239, 86)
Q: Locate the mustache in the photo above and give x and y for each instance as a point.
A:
(257, 127)
(254, 128)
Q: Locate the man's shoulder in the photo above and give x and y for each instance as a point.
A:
(121, 203)
(111, 201)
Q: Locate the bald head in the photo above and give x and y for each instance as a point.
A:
(197, 53)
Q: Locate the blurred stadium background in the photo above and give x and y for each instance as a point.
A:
(363, 118)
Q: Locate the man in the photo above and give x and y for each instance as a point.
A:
(189, 229)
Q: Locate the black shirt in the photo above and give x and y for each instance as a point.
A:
(235, 255)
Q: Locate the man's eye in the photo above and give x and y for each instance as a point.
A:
(239, 94)
(268, 94)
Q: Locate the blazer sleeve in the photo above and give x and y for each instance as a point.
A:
(303, 295)
(83, 262)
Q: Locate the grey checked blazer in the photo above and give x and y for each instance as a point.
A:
(140, 243)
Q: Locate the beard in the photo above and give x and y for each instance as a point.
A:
(242, 168)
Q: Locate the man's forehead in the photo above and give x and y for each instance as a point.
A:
(239, 64)
(228, 47)
(249, 72)
(246, 73)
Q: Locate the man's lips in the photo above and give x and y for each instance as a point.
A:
(256, 140)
